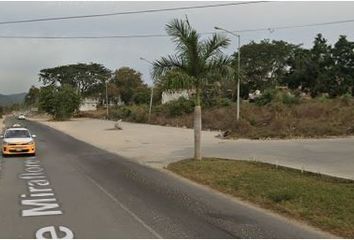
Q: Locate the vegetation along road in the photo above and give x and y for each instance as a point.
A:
(92, 193)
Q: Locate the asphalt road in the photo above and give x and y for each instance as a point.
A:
(73, 189)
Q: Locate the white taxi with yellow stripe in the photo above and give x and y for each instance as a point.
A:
(16, 141)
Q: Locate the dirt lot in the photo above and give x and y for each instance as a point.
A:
(157, 146)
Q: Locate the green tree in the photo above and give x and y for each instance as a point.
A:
(311, 70)
(113, 93)
(263, 64)
(1, 111)
(302, 71)
(342, 73)
(321, 61)
(142, 96)
(32, 97)
(47, 99)
(60, 102)
(190, 67)
(87, 79)
(129, 83)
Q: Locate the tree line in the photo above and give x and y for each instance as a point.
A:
(65, 86)
(322, 69)
(200, 65)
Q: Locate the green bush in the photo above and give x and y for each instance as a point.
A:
(266, 97)
(274, 95)
(121, 112)
(323, 98)
(139, 113)
(179, 107)
(223, 102)
(133, 113)
(290, 99)
(346, 98)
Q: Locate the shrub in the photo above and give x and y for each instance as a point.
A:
(346, 98)
(323, 98)
(179, 107)
(134, 113)
(266, 97)
(139, 113)
(122, 112)
(289, 99)
(274, 95)
(223, 102)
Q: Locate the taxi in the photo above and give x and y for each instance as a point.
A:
(16, 141)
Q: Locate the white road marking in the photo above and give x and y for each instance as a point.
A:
(41, 207)
(124, 207)
(36, 182)
(51, 232)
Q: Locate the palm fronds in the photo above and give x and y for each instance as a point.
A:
(194, 58)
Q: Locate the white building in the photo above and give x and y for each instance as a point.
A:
(168, 96)
(88, 104)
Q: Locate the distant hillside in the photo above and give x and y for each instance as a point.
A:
(11, 99)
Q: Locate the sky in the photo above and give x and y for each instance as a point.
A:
(22, 59)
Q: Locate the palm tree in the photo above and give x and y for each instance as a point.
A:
(191, 66)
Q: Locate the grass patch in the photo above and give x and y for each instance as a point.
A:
(322, 201)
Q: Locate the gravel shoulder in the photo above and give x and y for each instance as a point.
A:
(157, 146)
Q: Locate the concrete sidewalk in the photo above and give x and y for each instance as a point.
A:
(158, 146)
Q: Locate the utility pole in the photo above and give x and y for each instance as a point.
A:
(238, 67)
(152, 89)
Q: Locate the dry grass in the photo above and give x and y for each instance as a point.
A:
(311, 118)
(99, 113)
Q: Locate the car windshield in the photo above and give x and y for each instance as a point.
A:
(17, 134)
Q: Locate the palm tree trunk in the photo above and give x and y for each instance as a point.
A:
(197, 132)
(197, 127)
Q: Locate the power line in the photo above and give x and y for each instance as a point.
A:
(271, 29)
(87, 37)
(129, 12)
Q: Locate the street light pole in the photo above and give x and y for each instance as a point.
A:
(152, 89)
(238, 66)
(238, 77)
(107, 99)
